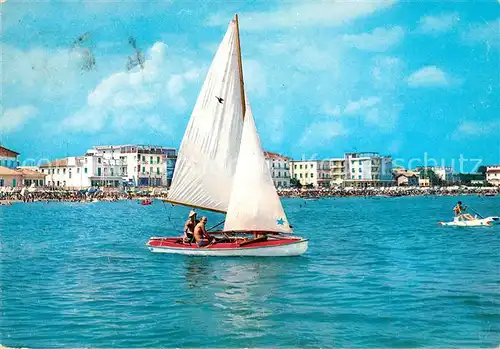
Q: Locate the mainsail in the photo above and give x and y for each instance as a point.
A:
(206, 161)
(254, 203)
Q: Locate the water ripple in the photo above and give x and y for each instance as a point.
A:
(379, 273)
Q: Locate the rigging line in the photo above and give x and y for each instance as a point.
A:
(215, 226)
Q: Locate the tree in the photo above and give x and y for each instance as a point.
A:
(482, 170)
(433, 177)
(294, 182)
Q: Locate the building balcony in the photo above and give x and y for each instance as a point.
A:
(151, 175)
(147, 162)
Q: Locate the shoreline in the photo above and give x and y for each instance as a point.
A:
(309, 195)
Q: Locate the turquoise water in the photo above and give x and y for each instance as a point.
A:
(378, 273)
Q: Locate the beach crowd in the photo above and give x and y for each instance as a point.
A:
(86, 195)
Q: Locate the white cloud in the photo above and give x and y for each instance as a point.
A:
(42, 71)
(438, 24)
(320, 133)
(305, 14)
(387, 72)
(14, 118)
(383, 115)
(130, 100)
(361, 105)
(331, 111)
(380, 40)
(430, 76)
(484, 33)
(469, 129)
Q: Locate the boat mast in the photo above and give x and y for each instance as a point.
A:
(240, 66)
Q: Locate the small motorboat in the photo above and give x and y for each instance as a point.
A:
(227, 246)
(476, 222)
(146, 202)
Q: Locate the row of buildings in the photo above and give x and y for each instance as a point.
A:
(153, 166)
(361, 170)
(101, 166)
(354, 169)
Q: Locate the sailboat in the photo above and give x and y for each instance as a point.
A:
(221, 168)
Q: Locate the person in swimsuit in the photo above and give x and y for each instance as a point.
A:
(190, 226)
(200, 233)
(459, 211)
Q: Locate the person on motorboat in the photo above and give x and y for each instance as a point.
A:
(200, 233)
(459, 212)
(190, 226)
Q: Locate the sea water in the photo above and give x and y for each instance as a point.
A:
(379, 272)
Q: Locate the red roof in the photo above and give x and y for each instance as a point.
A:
(271, 155)
(7, 152)
(56, 163)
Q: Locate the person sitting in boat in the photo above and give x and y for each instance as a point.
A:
(459, 211)
(190, 226)
(200, 233)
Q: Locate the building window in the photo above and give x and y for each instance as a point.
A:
(157, 170)
(143, 169)
(295, 166)
(295, 176)
(78, 170)
(57, 171)
(353, 170)
(42, 170)
(85, 170)
(359, 176)
(359, 169)
(2, 182)
(150, 159)
(312, 175)
(64, 171)
(301, 175)
(143, 159)
(98, 160)
(69, 174)
(111, 170)
(301, 167)
(157, 159)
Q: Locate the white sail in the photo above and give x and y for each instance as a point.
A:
(254, 203)
(206, 161)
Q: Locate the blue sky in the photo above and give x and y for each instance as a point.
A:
(400, 78)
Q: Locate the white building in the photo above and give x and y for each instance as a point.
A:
(67, 173)
(111, 166)
(493, 175)
(337, 171)
(279, 166)
(368, 170)
(8, 158)
(444, 173)
(137, 165)
(312, 172)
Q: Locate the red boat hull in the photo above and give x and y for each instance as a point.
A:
(266, 246)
